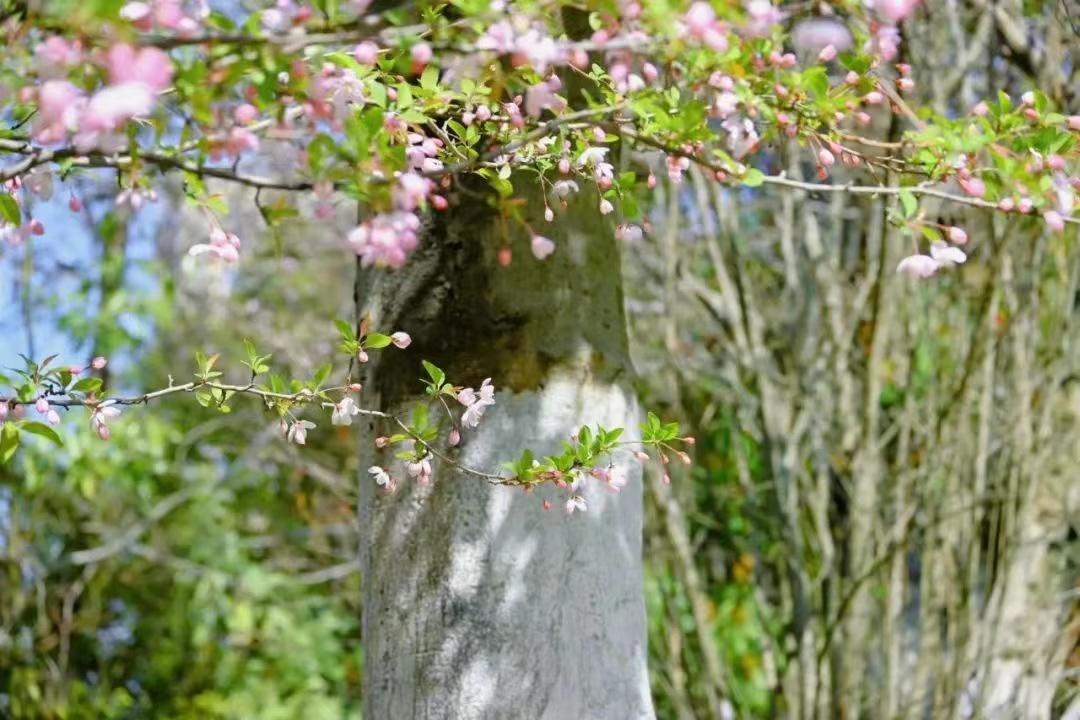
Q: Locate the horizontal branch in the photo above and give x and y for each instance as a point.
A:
(786, 182)
(300, 397)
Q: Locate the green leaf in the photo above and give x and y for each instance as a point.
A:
(909, 203)
(9, 210)
(420, 417)
(9, 441)
(438, 377)
(753, 178)
(41, 429)
(87, 385)
(816, 81)
(375, 341)
(346, 330)
(322, 373)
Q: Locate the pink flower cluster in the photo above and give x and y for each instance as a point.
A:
(135, 79)
(176, 15)
(526, 46)
(476, 402)
(386, 240)
(225, 246)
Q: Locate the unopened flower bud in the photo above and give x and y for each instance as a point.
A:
(42, 405)
(382, 441)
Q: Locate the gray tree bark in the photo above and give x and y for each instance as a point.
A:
(478, 603)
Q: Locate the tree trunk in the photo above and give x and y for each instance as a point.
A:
(478, 603)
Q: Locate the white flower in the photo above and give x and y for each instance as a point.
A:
(919, 266)
(541, 246)
(946, 255)
(421, 470)
(381, 476)
(344, 411)
(575, 502)
(475, 402)
(592, 156)
(298, 431)
(102, 414)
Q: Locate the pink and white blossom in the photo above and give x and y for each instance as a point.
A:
(344, 411)
(575, 502)
(541, 246)
(946, 255)
(918, 266)
(297, 432)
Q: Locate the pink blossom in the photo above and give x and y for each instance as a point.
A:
(540, 97)
(981, 109)
(56, 55)
(816, 35)
(52, 417)
(98, 363)
(742, 136)
(113, 105)
(724, 104)
(918, 266)
(1073, 122)
(344, 411)
(297, 432)
(74, 203)
(420, 470)
(59, 106)
(476, 402)
(957, 236)
(895, 10)
(245, 114)
(885, 42)
(825, 157)
(541, 246)
(946, 255)
(100, 415)
(412, 190)
(40, 183)
(42, 405)
(1054, 220)
(421, 53)
(223, 245)
(138, 14)
(453, 438)
(366, 53)
(401, 339)
(386, 240)
(699, 18)
(762, 17)
(972, 186)
(148, 66)
(539, 50)
(613, 477)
